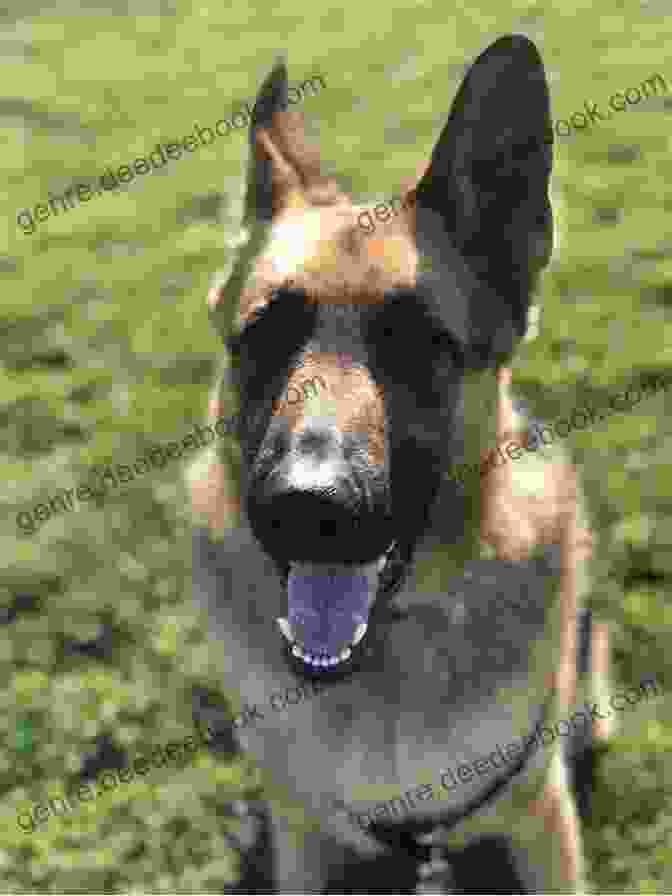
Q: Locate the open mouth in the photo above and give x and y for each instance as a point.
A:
(328, 609)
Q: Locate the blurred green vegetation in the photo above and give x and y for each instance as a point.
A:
(106, 347)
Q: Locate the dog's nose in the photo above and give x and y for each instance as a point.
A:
(315, 507)
(316, 448)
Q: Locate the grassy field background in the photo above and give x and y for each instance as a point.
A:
(106, 348)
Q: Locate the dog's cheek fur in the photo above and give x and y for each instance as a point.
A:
(213, 500)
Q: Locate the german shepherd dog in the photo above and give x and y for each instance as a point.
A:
(417, 621)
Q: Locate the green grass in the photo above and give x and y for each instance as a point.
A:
(106, 347)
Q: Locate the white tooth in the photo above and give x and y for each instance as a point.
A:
(324, 662)
(345, 654)
(297, 651)
(360, 631)
(285, 628)
(382, 562)
(333, 661)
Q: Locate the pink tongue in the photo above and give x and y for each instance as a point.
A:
(326, 608)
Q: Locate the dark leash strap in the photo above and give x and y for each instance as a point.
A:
(404, 836)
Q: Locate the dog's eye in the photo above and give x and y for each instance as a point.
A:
(445, 342)
(281, 322)
(235, 343)
(404, 326)
(269, 340)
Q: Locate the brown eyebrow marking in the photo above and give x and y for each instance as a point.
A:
(341, 266)
(407, 201)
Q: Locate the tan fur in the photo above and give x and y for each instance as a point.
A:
(324, 252)
(603, 729)
(512, 522)
(515, 523)
(211, 500)
(558, 813)
(350, 396)
(314, 243)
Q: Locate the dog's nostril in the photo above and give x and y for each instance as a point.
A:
(307, 508)
(310, 522)
(328, 528)
(318, 513)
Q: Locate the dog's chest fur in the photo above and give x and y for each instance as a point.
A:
(460, 671)
(465, 667)
(462, 661)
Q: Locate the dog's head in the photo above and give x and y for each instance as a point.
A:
(349, 347)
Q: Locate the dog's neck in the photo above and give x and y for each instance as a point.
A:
(453, 535)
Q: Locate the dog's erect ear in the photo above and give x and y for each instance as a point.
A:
(284, 168)
(487, 182)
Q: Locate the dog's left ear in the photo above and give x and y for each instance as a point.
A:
(284, 168)
(485, 191)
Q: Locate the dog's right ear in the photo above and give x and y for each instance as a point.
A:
(283, 171)
(486, 188)
(284, 168)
